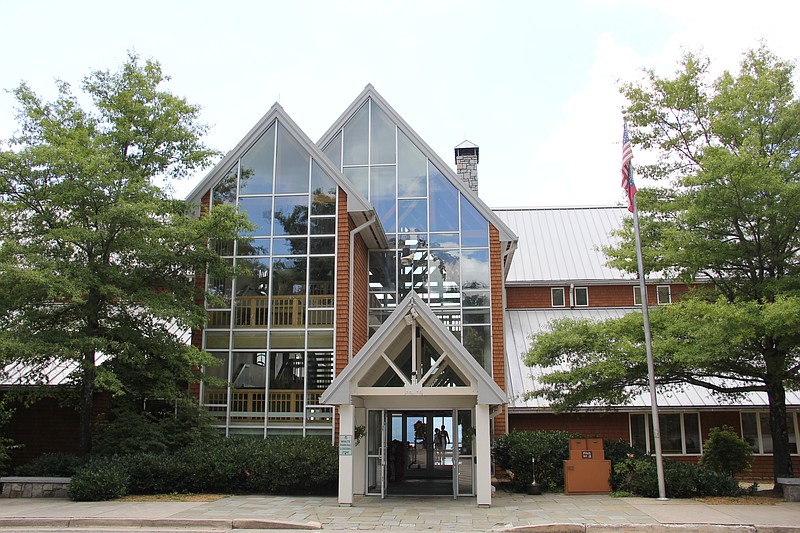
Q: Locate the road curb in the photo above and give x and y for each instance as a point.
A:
(650, 528)
(154, 523)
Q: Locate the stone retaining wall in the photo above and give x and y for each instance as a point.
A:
(35, 487)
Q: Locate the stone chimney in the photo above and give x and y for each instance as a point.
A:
(467, 165)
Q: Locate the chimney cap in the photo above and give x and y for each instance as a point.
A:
(467, 148)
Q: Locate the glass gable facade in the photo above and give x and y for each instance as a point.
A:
(439, 242)
(271, 325)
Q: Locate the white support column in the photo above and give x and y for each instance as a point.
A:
(483, 454)
(346, 448)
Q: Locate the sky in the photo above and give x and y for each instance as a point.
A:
(534, 84)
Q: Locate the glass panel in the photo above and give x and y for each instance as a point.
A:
(252, 290)
(257, 165)
(792, 433)
(451, 318)
(638, 436)
(323, 226)
(259, 212)
(663, 294)
(294, 246)
(286, 339)
(477, 316)
(412, 168)
(215, 394)
(253, 247)
(691, 427)
(443, 202)
(248, 382)
(359, 177)
(383, 137)
(291, 173)
(218, 372)
(474, 228)
(222, 248)
(249, 340)
(288, 292)
(320, 339)
(475, 269)
(218, 319)
(374, 436)
(670, 433)
(291, 215)
(412, 215)
(334, 151)
(324, 245)
(286, 383)
(382, 196)
(444, 240)
(217, 340)
(637, 296)
(323, 191)
(476, 299)
(477, 341)
(323, 272)
(252, 433)
(750, 430)
(356, 138)
(220, 289)
(224, 191)
(465, 476)
(320, 374)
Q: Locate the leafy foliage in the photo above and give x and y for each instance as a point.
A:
(282, 465)
(725, 452)
(726, 211)
(99, 480)
(682, 480)
(51, 465)
(96, 259)
(516, 451)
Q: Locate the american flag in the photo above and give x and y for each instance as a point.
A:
(627, 175)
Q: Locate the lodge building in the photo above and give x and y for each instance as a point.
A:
(379, 303)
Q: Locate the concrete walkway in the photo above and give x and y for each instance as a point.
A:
(544, 513)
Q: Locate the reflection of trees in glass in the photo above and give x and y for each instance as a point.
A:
(323, 202)
(289, 276)
(293, 223)
(224, 191)
(475, 341)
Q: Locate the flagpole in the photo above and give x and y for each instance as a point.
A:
(662, 491)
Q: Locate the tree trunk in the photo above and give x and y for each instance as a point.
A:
(781, 455)
(88, 372)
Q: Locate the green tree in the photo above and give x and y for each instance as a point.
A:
(97, 261)
(726, 211)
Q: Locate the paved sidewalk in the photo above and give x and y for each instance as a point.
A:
(575, 514)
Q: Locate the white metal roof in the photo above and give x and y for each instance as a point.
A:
(521, 324)
(562, 243)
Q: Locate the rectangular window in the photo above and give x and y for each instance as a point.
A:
(664, 295)
(557, 296)
(637, 296)
(680, 433)
(756, 431)
(581, 296)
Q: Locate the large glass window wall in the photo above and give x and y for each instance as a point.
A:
(270, 326)
(439, 240)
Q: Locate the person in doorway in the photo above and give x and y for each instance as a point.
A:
(444, 440)
(437, 446)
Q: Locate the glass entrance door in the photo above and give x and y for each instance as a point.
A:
(376, 452)
(421, 455)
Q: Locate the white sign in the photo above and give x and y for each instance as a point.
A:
(345, 445)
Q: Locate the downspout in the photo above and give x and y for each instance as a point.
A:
(353, 233)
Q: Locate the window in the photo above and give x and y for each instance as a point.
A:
(581, 296)
(663, 294)
(756, 431)
(637, 296)
(680, 433)
(557, 296)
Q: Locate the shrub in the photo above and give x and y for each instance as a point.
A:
(99, 480)
(618, 451)
(51, 464)
(639, 476)
(515, 451)
(725, 452)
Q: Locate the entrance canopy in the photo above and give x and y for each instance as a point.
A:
(413, 356)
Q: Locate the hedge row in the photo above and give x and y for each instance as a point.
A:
(284, 465)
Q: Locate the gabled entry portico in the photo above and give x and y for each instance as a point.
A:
(410, 379)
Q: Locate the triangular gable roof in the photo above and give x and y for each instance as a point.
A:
(358, 206)
(506, 234)
(339, 392)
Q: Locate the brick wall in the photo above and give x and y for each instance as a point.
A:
(344, 225)
(603, 425)
(599, 295)
(498, 341)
